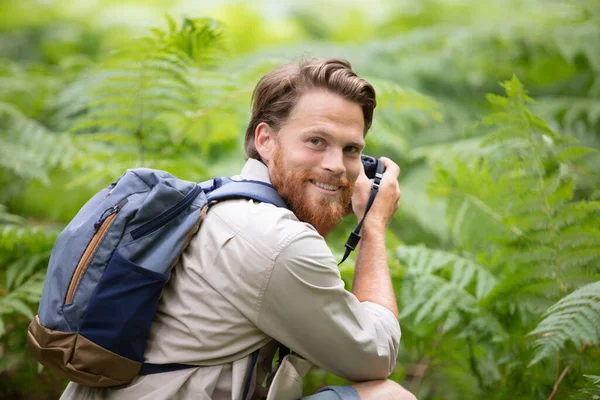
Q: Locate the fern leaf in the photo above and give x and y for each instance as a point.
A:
(578, 257)
(8, 218)
(573, 213)
(574, 153)
(574, 318)
(591, 390)
(518, 283)
(433, 297)
(13, 235)
(12, 304)
(390, 94)
(133, 91)
(579, 236)
(570, 110)
(28, 149)
(23, 268)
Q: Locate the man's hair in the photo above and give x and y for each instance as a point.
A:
(278, 92)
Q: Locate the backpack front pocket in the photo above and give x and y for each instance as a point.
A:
(101, 227)
(120, 311)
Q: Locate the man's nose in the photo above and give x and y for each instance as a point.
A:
(334, 162)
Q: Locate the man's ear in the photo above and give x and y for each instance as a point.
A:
(264, 141)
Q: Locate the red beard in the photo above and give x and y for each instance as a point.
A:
(323, 214)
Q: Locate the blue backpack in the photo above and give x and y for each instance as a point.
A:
(109, 266)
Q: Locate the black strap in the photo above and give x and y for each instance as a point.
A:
(149, 369)
(354, 238)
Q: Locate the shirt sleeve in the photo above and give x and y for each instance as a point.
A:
(305, 307)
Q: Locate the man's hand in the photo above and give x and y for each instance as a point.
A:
(372, 281)
(386, 201)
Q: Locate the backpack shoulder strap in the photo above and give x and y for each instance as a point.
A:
(256, 190)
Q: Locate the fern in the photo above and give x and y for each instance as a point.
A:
(525, 192)
(570, 111)
(574, 318)
(522, 209)
(24, 254)
(132, 103)
(397, 98)
(29, 150)
(591, 391)
(397, 109)
(21, 295)
(513, 206)
(443, 286)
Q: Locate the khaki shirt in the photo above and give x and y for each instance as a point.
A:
(254, 273)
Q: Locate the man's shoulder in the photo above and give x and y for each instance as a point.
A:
(260, 224)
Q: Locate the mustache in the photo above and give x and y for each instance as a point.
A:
(328, 179)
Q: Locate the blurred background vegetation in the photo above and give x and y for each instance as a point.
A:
(491, 107)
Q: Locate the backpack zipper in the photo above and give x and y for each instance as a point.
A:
(168, 215)
(100, 229)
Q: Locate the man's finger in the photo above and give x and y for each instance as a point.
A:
(390, 166)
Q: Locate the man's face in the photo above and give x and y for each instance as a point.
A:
(316, 159)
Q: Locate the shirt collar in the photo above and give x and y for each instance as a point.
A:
(256, 171)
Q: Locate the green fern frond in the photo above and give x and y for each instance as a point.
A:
(19, 300)
(440, 286)
(8, 218)
(570, 111)
(574, 153)
(18, 237)
(527, 193)
(28, 149)
(423, 261)
(199, 38)
(440, 300)
(136, 89)
(473, 208)
(515, 207)
(390, 94)
(417, 205)
(575, 318)
(577, 237)
(591, 390)
(521, 283)
(575, 213)
(24, 254)
(139, 107)
(34, 238)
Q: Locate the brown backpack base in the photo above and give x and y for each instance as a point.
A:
(78, 359)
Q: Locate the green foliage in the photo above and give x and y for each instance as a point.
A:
(141, 99)
(29, 150)
(495, 250)
(528, 241)
(574, 318)
(591, 391)
(24, 254)
(440, 287)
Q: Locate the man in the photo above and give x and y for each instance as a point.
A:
(256, 273)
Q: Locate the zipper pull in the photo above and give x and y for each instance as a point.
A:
(108, 212)
(105, 214)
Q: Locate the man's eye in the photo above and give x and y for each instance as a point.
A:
(316, 141)
(352, 150)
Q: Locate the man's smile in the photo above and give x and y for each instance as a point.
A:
(325, 188)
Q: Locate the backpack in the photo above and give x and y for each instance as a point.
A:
(108, 268)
